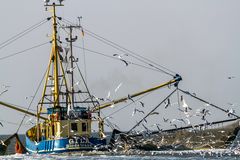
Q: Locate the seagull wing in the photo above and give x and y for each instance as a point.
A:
(108, 95)
(129, 97)
(117, 88)
(126, 63)
(142, 104)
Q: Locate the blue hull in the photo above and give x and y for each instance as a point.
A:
(61, 145)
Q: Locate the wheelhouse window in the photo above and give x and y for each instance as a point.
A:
(74, 127)
(84, 127)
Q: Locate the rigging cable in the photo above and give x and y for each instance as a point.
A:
(102, 54)
(86, 85)
(83, 49)
(149, 113)
(14, 54)
(109, 123)
(90, 34)
(133, 54)
(8, 122)
(84, 57)
(64, 29)
(188, 93)
(23, 33)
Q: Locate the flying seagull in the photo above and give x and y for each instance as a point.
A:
(157, 125)
(231, 77)
(3, 143)
(154, 113)
(120, 58)
(94, 97)
(230, 112)
(108, 96)
(129, 97)
(5, 86)
(178, 120)
(145, 128)
(108, 117)
(188, 121)
(70, 70)
(119, 55)
(165, 120)
(203, 112)
(112, 105)
(142, 104)
(174, 125)
(137, 110)
(3, 91)
(185, 105)
(117, 88)
(145, 120)
(140, 111)
(167, 103)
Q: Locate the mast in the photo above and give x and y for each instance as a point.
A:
(72, 59)
(54, 62)
(55, 58)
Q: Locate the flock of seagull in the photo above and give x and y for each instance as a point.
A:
(182, 107)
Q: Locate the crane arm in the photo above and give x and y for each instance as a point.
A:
(20, 110)
(176, 80)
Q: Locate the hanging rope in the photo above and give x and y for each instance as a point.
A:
(149, 113)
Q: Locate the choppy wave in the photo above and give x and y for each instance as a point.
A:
(225, 154)
(134, 155)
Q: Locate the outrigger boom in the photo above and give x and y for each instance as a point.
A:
(21, 110)
(176, 80)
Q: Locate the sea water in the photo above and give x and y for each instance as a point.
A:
(119, 157)
(213, 154)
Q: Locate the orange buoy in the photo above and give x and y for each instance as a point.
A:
(18, 147)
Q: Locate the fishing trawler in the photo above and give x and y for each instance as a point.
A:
(64, 122)
(67, 126)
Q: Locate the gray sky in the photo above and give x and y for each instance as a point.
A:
(197, 39)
